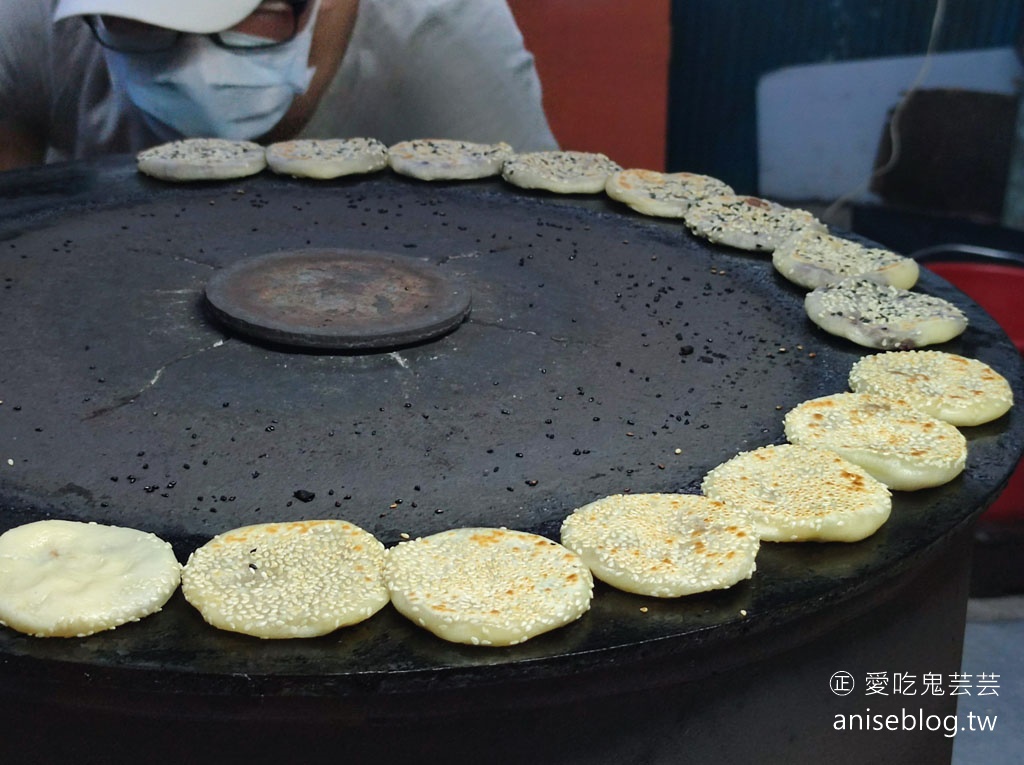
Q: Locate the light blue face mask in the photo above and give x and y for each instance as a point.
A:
(199, 89)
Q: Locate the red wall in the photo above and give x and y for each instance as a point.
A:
(603, 65)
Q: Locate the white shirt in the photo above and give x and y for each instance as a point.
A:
(413, 69)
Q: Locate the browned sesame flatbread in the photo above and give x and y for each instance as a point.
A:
(900, 446)
(747, 223)
(882, 316)
(442, 159)
(202, 159)
(663, 545)
(664, 195)
(324, 159)
(814, 258)
(487, 587)
(71, 579)
(947, 386)
(801, 494)
(287, 580)
(563, 172)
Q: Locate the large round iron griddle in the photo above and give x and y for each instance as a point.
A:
(606, 352)
(336, 299)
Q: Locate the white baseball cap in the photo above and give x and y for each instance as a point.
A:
(194, 16)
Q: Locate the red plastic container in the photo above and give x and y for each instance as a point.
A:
(999, 289)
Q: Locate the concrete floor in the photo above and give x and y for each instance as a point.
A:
(994, 644)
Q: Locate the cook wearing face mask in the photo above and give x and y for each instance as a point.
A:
(238, 83)
(224, 68)
(83, 78)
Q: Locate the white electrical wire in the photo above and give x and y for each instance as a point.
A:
(938, 20)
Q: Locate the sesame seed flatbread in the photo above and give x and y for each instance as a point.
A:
(747, 223)
(442, 159)
(813, 259)
(663, 195)
(663, 545)
(324, 159)
(71, 579)
(487, 587)
(801, 494)
(563, 172)
(952, 388)
(903, 448)
(287, 580)
(882, 316)
(202, 159)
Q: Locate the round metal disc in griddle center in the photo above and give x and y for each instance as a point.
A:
(337, 299)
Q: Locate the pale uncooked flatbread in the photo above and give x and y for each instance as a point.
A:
(900, 446)
(748, 223)
(801, 494)
(202, 159)
(443, 159)
(287, 580)
(327, 158)
(952, 388)
(665, 195)
(881, 316)
(815, 258)
(564, 172)
(488, 587)
(663, 545)
(70, 579)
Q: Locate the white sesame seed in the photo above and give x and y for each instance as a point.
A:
(310, 578)
(801, 493)
(900, 446)
(663, 545)
(952, 388)
(487, 586)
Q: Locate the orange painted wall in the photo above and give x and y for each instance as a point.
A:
(603, 65)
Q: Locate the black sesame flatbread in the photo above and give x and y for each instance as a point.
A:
(202, 159)
(563, 172)
(441, 159)
(882, 316)
(327, 158)
(747, 223)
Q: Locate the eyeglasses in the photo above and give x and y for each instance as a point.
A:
(273, 23)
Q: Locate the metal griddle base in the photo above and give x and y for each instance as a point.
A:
(757, 701)
(599, 343)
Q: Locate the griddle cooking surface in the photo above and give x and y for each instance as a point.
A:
(605, 353)
(336, 299)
